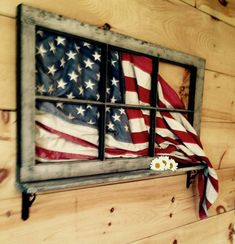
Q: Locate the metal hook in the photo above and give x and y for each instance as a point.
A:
(190, 177)
(27, 201)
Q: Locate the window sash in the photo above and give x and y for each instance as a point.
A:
(28, 20)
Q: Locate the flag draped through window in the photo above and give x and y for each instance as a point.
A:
(67, 67)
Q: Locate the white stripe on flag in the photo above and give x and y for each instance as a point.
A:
(143, 78)
(50, 141)
(137, 125)
(179, 117)
(195, 148)
(212, 173)
(112, 143)
(211, 194)
(82, 132)
(166, 133)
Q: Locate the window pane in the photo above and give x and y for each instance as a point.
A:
(173, 133)
(127, 133)
(66, 132)
(174, 85)
(66, 66)
(129, 78)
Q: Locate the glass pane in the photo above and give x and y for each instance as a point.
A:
(66, 66)
(129, 78)
(66, 132)
(127, 133)
(173, 86)
(173, 133)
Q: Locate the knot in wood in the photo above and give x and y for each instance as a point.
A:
(112, 210)
(106, 26)
(223, 2)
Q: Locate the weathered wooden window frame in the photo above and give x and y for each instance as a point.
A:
(48, 176)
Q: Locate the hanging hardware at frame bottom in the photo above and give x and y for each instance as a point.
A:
(191, 176)
(27, 201)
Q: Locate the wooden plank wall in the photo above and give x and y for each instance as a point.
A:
(150, 211)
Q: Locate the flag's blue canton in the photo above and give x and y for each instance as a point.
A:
(67, 67)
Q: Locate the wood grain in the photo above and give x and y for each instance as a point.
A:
(201, 36)
(7, 63)
(219, 144)
(8, 154)
(100, 214)
(217, 10)
(213, 230)
(191, 2)
(218, 98)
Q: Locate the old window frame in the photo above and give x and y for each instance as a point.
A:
(59, 175)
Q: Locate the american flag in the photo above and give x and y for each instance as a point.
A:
(70, 68)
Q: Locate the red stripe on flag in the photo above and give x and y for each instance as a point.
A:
(134, 113)
(112, 151)
(142, 93)
(139, 61)
(54, 155)
(140, 137)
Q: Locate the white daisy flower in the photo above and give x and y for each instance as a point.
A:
(157, 165)
(172, 165)
(165, 161)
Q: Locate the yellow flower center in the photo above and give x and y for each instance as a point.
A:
(157, 165)
(164, 161)
(171, 165)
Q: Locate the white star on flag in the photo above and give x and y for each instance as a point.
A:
(114, 81)
(90, 122)
(88, 63)
(73, 76)
(116, 117)
(80, 110)
(61, 83)
(41, 89)
(70, 96)
(77, 48)
(60, 40)
(40, 33)
(110, 125)
(113, 62)
(52, 70)
(62, 62)
(52, 47)
(71, 55)
(89, 84)
(81, 90)
(71, 116)
(50, 89)
(113, 99)
(59, 105)
(41, 50)
(122, 111)
(96, 56)
(86, 44)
